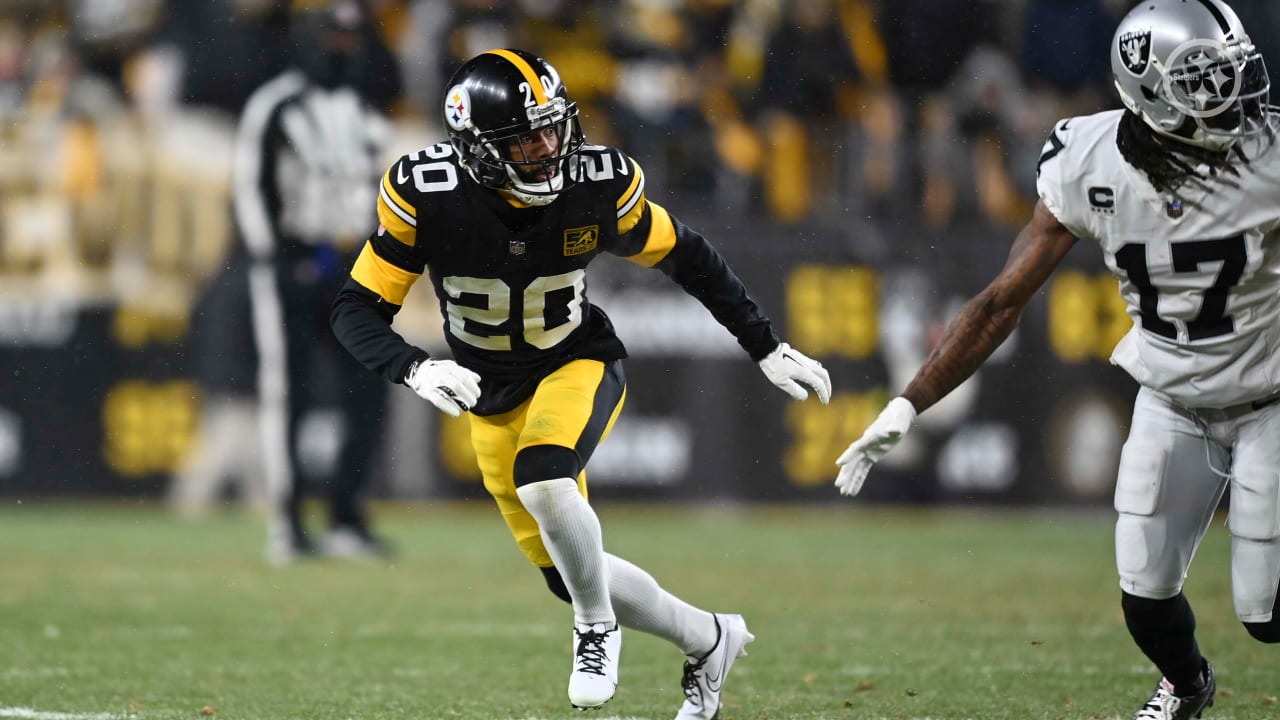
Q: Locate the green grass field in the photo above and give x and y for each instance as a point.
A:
(123, 611)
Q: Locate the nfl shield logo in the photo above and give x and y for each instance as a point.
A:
(1173, 209)
(516, 247)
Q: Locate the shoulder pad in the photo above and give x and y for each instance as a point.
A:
(618, 177)
(1074, 144)
(600, 164)
(410, 186)
(1077, 148)
(1054, 144)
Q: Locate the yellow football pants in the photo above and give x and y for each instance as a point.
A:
(574, 407)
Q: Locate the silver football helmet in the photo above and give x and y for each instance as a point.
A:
(1190, 71)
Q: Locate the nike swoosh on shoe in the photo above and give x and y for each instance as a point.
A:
(714, 683)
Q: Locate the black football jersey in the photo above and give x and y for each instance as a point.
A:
(511, 279)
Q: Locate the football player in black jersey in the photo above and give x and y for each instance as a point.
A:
(505, 218)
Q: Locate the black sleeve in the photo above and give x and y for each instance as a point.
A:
(651, 237)
(695, 265)
(361, 321)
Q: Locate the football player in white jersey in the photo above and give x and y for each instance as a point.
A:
(1181, 189)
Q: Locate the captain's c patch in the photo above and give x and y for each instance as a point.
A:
(581, 240)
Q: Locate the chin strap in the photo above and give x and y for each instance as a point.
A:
(534, 200)
(517, 189)
(522, 199)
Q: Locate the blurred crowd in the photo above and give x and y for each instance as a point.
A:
(116, 115)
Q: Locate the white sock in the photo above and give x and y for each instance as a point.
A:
(571, 532)
(643, 605)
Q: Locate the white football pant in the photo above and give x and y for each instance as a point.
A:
(1174, 468)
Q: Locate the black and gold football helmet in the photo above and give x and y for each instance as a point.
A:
(513, 125)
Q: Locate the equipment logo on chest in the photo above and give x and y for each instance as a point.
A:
(581, 240)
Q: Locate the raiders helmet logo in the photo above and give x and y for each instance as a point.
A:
(1135, 51)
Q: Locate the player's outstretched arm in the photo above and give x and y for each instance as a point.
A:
(984, 322)
(656, 239)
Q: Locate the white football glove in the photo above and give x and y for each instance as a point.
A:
(880, 437)
(446, 384)
(787, 367)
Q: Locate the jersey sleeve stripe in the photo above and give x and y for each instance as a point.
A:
(399, 229)
(525, 69)
(662, 237)
(389, 190)
(386, 198)
(388, 281)
(402, 228)
(633, 215)
(633, 191)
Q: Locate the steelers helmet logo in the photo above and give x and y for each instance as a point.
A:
(457, 107)
(1203, 78)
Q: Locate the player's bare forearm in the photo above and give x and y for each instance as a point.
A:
(967, 342)
(989, 317)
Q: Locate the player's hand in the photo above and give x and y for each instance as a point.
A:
(879, 438)
(446, 384)
(787, 368)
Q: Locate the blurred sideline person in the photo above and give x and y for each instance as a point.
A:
(506, 217)
(227, 453)
(308, 155)
(1182, 191)
(220, 52)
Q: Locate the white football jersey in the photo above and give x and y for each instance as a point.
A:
(1198, 269)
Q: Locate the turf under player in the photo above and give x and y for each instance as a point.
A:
(506, 218)
(1181, 189)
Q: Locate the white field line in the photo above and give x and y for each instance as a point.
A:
(32, 714)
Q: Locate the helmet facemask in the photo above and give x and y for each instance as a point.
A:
(533, 161)
(1221, 90)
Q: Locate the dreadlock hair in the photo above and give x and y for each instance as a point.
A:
(1168, 164)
